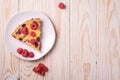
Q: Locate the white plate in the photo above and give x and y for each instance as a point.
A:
(48, 34)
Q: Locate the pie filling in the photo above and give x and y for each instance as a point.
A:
(29, 32)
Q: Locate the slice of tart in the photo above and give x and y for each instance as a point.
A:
(29, 32)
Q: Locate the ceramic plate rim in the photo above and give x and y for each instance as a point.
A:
(19, 13)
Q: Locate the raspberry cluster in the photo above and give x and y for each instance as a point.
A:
(41, 69)
(25, 52)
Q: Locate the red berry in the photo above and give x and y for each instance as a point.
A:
(19, 50)
(40, 65)
(36, 69)
(31, 54)
(45, 69)
(34, 26)
(40, 69)
(25, 53)
(32, 34)
(24, 30)
(61, 5)
(32, 41)
(42, 73)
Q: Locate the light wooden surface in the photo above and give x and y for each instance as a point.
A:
(87, 45)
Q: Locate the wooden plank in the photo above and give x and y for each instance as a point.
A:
(26, 67)
(60, 55)
(83, 40)
(87, 45)
(9, 64)
(108, 24)
(58, 59)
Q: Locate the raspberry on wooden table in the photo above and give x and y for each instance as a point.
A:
(61, 5)
(40, 69)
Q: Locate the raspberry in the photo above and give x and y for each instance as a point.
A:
(31, 54)
(34, 26)
(40, 65)
(24, 30)
(32, 34)
(45, 69)
(23, 25)
(36, 69)
(61, 5)
(40, 69)
(19, 50)
(25, 53)
(32, 41)
(42, 73)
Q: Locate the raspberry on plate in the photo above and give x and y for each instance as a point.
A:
(25, 53)
(32, 34)
(19, 50)
(31, 54)
(24, 30)
(34, 26)
(32, 41)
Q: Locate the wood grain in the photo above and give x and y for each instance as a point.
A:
(87, 45)
(58, 59)
(9, 64)
(83, 40)
(108, 23)
(26, 67)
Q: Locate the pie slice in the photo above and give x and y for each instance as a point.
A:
(29, 32)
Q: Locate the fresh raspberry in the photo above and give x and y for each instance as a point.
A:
(45, 69)
(42, 73)
(40, 69)
(25, 53)
(32, 41)
(32, 34)
(31, 54)
(19, 50)
(61, 5)
(40, 65)
(34, 26)
(36, 69)
(24, 30)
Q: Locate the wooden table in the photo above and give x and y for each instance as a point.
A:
(87, 45)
